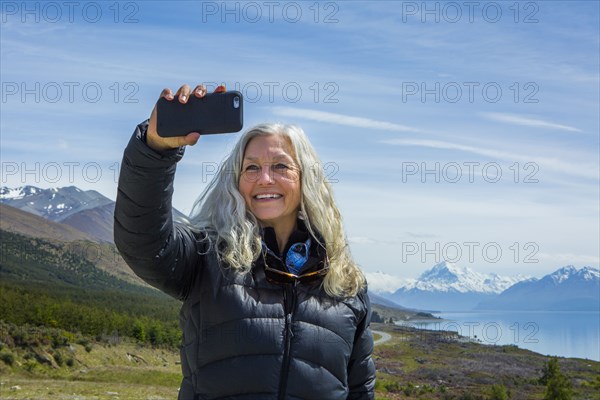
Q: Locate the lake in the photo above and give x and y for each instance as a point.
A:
(560, 333)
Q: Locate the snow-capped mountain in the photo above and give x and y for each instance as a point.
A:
(7, 193)
(447, 287)
(55, 204)
(85, 210)
(570, 273)
(447, 277)
(567, 288)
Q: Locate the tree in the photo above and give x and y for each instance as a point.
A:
(548, 370)
(139, 331)
(558, 386)
(375, 317)
(498, 392)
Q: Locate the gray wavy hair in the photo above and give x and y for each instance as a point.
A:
(235, 232)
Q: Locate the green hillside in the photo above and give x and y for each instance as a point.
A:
(43, 283)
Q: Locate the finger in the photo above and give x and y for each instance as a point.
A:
(183, 93)
(220, 89)
(189, 139)
(167, 94)
(192, 138)
(200, 91)
(153, 114)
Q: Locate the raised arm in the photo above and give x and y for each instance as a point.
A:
(161, 253)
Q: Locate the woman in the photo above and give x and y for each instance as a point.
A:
(273, 305)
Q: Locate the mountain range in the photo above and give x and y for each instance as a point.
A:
(568, 288)
(87, 211)
(446, 287)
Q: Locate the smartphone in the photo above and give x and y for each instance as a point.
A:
(214, 113)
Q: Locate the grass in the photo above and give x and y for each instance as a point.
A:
(441, 365)
(54, 389)
(105, 372)
(413, 364)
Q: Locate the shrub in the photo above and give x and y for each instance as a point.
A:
(61, 338)
(409, 389)
(392, 386)
(8, 359)
(88, 347)
(558, 386)
(498, 392)
(30, 365)
(375, 317)
(58, 358)
(139, 331)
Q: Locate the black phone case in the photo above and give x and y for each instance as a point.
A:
(214, 113)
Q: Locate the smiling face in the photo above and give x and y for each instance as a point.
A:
(270, 181)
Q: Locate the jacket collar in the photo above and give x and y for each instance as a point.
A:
(317, 253)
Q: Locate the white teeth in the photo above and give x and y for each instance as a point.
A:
(267, 196)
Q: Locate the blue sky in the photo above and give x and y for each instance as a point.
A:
(469, 133)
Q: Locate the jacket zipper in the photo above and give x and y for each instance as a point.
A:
(289, 303)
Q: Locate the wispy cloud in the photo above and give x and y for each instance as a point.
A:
(341, 119)
(524, 121)
(361, 240)
(381, 282)
(420, 235)
(561, 259)
(581, 170)
(365, 240)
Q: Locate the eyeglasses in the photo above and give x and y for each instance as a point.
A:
(277, 276)
(252, 173)
(280, 277)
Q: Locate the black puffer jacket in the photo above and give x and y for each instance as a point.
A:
(243, 337)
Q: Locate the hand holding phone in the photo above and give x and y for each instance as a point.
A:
(182, 96)
(211, 114)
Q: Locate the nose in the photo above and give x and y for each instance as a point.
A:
(265, 177)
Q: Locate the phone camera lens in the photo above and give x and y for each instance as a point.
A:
(236, 102)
